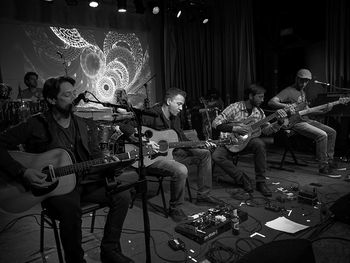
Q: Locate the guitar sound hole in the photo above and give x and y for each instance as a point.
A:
(148, 134)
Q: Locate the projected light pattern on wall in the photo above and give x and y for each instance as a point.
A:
(122, 63)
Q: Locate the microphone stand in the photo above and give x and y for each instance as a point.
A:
(141, 184)
(146, 100)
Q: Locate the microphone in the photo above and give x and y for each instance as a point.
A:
(80, 97)
(60, 54)
(322, 83)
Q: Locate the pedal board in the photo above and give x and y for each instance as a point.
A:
(207, 225)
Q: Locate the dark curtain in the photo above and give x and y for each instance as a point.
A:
(219, 55)
(338, 43)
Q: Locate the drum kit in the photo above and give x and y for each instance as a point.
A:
(14, 111)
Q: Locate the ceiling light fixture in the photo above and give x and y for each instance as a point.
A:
(93, 4)
(121, 6)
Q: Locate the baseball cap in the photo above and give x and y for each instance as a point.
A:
(304, 74)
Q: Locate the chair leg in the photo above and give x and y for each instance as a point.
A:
(189, 190)
(163, 198)
(93, 221)
(42, 229)
(58, 242)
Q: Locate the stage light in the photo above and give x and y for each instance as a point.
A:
(121, 6)
(93, 4)
(178, 14)
(205, 20)
(155, 10)
(154, 5)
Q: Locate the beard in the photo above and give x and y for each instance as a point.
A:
(65, 111)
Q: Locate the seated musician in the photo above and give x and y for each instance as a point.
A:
(294, 97)
(166, 117)
(59, 128)
(32, 91)
(241, 112)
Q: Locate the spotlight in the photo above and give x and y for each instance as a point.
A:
(155, 10)
(205, 20)
(154, 5)
(121, 6)
(178, 14)
(93, 4)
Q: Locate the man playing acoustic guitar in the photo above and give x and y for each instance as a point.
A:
(59, 128)
(239, 119)
(324, 136)
(167, 117)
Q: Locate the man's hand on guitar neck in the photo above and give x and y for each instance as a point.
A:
(209, 145)
(34, 177)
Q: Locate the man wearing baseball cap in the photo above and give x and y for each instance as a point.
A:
(294, 97)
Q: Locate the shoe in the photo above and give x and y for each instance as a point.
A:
(247, 184)
(114, 256)
(206, 199)
(263, 189)
(335, 166)
(177, 214)
(326, 171)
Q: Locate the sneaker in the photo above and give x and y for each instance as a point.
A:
(326, 171)
(263, 189)
(335, 166)
(177, 214)
(206, 199)
(114, 256)
(247, 183)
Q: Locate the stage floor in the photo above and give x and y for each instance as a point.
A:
(19, 242)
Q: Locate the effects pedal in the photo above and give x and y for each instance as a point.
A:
(176, 244)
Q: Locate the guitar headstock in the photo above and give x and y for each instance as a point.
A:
(344, 100)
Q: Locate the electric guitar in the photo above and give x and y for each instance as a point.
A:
(167, 141)
(254, 131)
(295, 118)
(57, 164)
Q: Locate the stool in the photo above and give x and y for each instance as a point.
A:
(51, 221)
(159, 179)
(286, 140)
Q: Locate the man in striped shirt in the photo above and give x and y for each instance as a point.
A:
(232, 120)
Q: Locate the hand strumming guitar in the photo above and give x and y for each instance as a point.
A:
(34, 177)
(241, 129)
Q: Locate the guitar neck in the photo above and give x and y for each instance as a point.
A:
(85, 166)
(317, 108)
(263, 121)
(184, 144)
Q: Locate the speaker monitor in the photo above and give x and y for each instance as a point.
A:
(286, 251)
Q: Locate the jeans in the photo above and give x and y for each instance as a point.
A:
(202, 159)
(66, 208)
(324, 137)
(178, 174)
(223, 158)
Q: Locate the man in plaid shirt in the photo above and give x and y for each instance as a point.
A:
(231, 120)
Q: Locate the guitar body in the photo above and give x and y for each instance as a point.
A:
(13, 196)
(242, 140)
(163, 138)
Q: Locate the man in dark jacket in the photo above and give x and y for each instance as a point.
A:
(59, 128)
(167, 118)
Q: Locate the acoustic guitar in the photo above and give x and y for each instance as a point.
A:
(297, 117)
(168, 140)
(57, 164)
